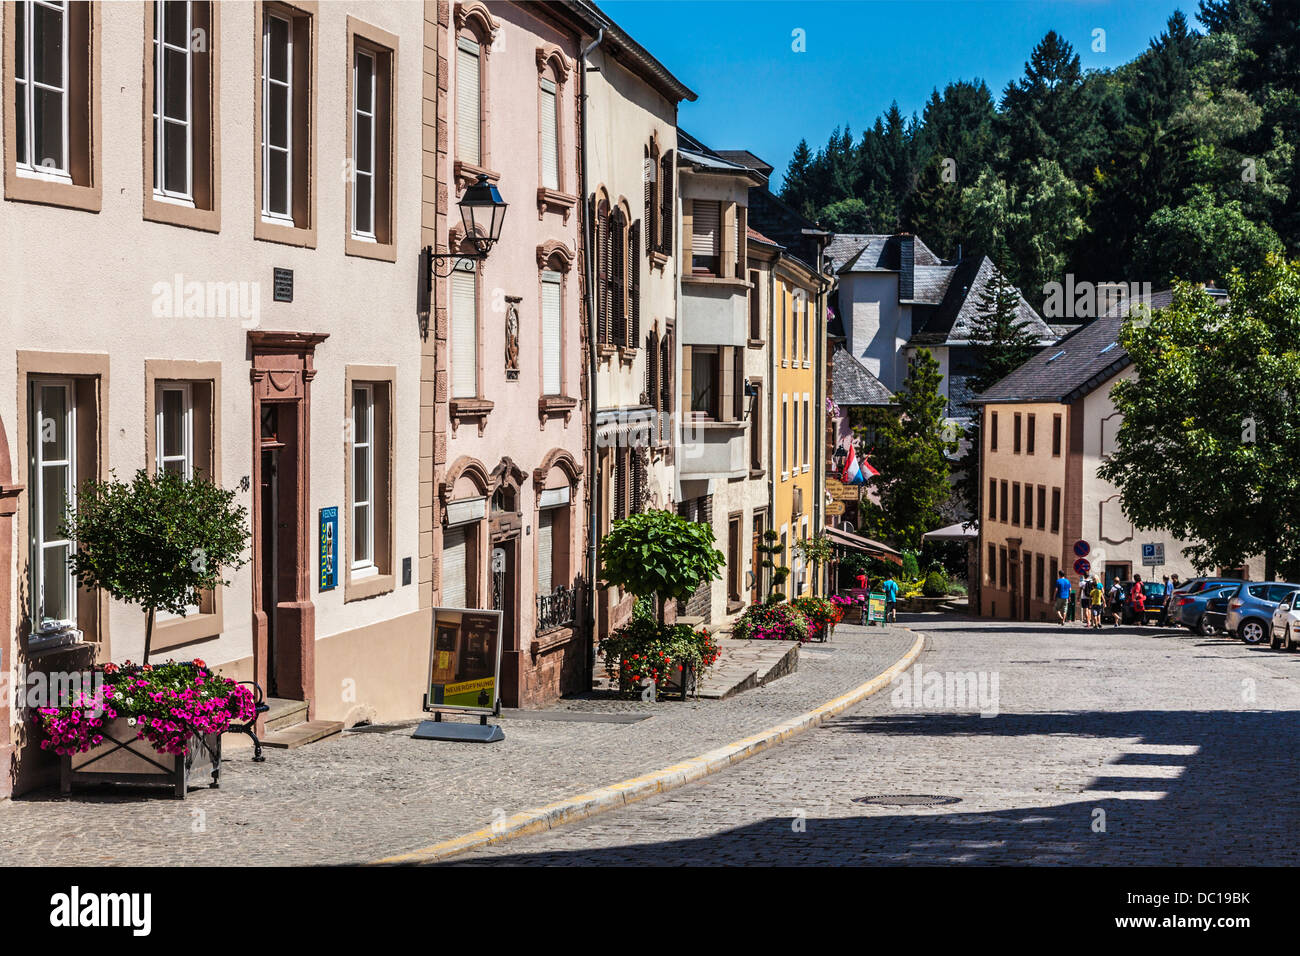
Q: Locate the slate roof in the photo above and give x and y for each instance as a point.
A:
(853, 384)
(745, 158)
(949, 320)
(875, 253)
(1074, 366)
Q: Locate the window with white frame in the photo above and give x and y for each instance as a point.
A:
(174, 434)
(807, 405)
(53, 483)
(41, 88)
(552, 379)
(173, 96)
(464, 333)
(277, 118)
(363, 145)
(363, 481)
(550, 135)
(469, 112)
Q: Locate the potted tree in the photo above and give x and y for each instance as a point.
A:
(663, 556)
(158, 541)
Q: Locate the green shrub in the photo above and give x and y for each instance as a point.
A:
(936, 584)
(911, 569)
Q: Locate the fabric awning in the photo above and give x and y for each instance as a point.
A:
(859, 543)
(953, 532)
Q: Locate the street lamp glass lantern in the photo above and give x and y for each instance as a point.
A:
(482, 211)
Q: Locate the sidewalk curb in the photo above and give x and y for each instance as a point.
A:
(658, 781)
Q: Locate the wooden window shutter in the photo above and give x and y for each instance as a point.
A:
(648, 173)
(620, 481)
(602, 274)
(665, 387)
(634, 283)
(666, 217)
(638, 483)
(617, 278)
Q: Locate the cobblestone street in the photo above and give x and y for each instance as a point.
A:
(373, 792)
(1108, 748)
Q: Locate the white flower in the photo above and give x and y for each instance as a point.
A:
(130, 721)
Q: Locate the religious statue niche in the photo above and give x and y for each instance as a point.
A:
(512, 337)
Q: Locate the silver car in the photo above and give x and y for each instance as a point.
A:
(1250, 610)
(1286, 623)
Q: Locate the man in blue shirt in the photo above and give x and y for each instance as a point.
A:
(1062, 596)
(890, 587)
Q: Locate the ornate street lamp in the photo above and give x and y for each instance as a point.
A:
(482, 213)
(838, 456)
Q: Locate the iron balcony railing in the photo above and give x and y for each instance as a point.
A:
(557, 609)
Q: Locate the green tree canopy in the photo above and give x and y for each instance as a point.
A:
(660, 553)
(1211, 427)
(157, 541)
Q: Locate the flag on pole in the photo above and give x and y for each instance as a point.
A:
(856, 472)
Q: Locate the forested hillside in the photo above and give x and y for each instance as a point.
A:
(1181, 163)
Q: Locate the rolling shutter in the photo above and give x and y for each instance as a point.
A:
(550, 333)
(545, 550)
(550, 137)
(464, 335)
(704, 227)
(453, 567)
(468, 116)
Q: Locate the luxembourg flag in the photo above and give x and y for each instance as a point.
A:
(857, 472)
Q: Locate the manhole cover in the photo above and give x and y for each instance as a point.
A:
(907, 800)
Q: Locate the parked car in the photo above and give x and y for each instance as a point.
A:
(1216, 612)
(1153, 593)
(1197, 585)
(1285, 623)
(1189, 609)
(1250, 610)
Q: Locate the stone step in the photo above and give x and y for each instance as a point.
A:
(307, 732)
(744, 665)
(284, 713)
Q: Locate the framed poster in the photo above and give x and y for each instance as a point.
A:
(464, 661)
(876, 608)
(329, 549)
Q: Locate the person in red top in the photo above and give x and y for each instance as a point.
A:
(1139, 600)
(862, 581)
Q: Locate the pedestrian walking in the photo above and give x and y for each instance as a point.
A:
(890, 587)
(1116, 601)
(1062, 597)
(1098, 602)
(1085, 599)
(1139, 600)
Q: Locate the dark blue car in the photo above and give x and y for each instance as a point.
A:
(1189, 610)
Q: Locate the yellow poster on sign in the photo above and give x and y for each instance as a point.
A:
(464, 660)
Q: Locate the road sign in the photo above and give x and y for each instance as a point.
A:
(1081, 549)
(1082, 566)
(1153, 555)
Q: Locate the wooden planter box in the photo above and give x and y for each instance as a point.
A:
(125, 758)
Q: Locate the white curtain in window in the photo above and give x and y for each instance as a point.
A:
(551, 333)
(464, 335)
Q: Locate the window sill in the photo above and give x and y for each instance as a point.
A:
(370, 249)
(52, 192)
(183, 630)
(552, 639)
(467, 174)
(173, 213)
(373, 585)
(757, 472)
(283, 233)
(470, 409)
(755, 343)
(659, 260)
(606, 352)
(553, 406)
(717, 281)
(552, 200)
(627, 354)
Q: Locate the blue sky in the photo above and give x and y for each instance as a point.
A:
(756, 93)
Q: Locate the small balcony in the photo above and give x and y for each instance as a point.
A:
(557, 609)
(714, 449)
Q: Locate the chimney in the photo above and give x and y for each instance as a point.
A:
(906, 266)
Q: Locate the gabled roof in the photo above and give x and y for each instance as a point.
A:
(875, 253)
(949, 319)
(1074, 366)
(853, 384)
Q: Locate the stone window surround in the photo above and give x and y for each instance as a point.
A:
(209, 622)
(479, 406)
(384, 493)
(552, 64)
(555, 256)
(382, 45)
(202, 217)
(85, 192)
(93, 367)
(474, 21)
(303, 13)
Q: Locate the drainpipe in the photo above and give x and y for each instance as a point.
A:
(593, 465)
